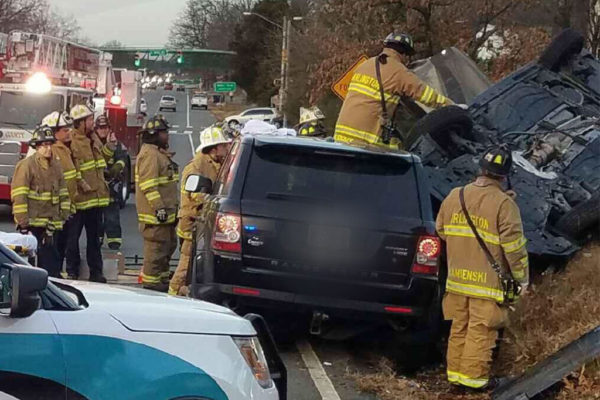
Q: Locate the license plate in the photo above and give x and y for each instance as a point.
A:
(328, 237)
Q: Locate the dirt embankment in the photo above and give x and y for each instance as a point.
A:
(558, 309)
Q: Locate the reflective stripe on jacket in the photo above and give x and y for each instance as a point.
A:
(90, 163)
(63, 155)
(39, 194)
(498, 221)
(156, 178)
(359, 121)
(191, 203)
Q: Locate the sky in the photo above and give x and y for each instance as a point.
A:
(132, 22)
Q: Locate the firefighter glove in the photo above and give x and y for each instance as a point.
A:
(161, 215)
(85, 186)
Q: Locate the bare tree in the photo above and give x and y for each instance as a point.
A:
(20, 14)
(207, 23)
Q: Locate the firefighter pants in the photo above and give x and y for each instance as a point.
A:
(160, 242)
(47, 253)
(475, 325)
(179, 279)
(62, 239)
(90, 220)
(111, 225)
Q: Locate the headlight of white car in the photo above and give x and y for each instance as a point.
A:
(255, 358)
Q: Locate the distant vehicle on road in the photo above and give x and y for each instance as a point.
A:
(263, 113)
(180, 87)
(143, 106)
(168, 102)
(53, 334)
(168, 86)
(273, 237)
(199, 100)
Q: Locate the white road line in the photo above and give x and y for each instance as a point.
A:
(192, 143)
(188, 131)
(172, 131)
(174, 126)
(316, 371)
(188, 110)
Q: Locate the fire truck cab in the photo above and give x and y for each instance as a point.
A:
(40, 74)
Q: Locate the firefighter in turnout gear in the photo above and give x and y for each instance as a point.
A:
(111, 219)
(40, 199)
(363, 121)
(477, 287)
(311, 122)
(62, 127)
(213, 149)
(156, 198)
(92, 194)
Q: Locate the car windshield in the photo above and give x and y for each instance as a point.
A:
(27, 110)
(382, 184)
(167, 98)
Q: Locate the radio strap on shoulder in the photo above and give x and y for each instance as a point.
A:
(510, 286)
(384, 113)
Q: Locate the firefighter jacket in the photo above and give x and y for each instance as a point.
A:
(360, 119)
(191, 203)
(498, 221)
(39, 194)
(89, 157)
(156, 179)
(62, 154)
(116, 160)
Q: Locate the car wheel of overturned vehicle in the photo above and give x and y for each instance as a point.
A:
(448, 127)
(559, 51)
(581, 218)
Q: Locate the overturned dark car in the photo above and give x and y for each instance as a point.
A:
(548, 113)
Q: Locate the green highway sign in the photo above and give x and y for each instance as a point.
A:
(157, 53)
(225, 86)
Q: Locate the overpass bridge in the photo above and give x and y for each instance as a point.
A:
(208, 64)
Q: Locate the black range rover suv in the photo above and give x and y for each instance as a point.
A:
(320, 228)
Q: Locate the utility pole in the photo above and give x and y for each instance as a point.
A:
(284, 61)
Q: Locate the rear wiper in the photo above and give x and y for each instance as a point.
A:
(295, 197)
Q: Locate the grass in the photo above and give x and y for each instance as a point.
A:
(558, 309)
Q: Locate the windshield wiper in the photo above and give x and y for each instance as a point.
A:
(296, 197)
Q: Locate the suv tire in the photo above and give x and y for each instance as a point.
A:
(232, 124)
(564, 45)
(576, 222)
(438, 123)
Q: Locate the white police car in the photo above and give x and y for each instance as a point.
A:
(78, 340)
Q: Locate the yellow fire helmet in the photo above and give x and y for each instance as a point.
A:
(57, 120)
(310, 114)
(81, 111)
(155, 124)
(211, 136)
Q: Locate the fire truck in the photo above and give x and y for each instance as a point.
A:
(40, 74)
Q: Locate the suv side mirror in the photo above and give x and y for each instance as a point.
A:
(198, 184)
(20, 287)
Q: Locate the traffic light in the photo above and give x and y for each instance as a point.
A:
(137, 62)
(179, 57)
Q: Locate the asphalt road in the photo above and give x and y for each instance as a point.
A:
(317, 369)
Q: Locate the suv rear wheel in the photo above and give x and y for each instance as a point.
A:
(581, 218)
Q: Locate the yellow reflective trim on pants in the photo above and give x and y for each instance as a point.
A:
(184, 234)
(453, 377)
(18, 191)
(154, 195)
(465, 231)
(515, 245)
(150, 278)
(472, 382)
(114, 240)
(474, 290)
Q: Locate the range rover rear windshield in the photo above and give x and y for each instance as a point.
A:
(383, 184)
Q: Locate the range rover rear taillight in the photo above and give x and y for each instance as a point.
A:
(227, 235)
(427, 259)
